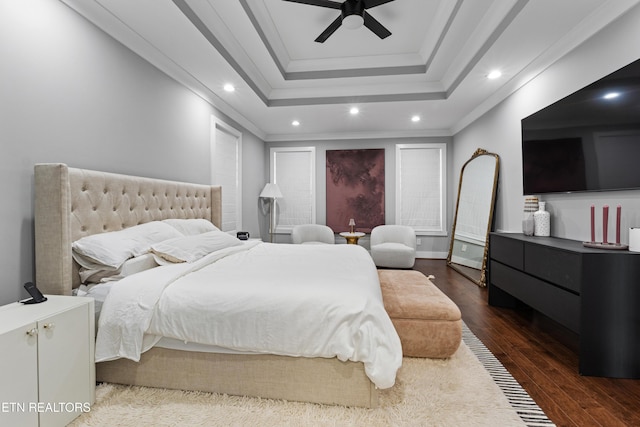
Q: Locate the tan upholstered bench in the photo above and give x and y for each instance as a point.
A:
(428, 322)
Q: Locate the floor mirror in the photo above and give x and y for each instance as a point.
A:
(474, 216)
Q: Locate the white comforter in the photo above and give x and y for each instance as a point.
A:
(293, 300)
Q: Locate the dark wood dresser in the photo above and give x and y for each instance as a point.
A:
(593, 292)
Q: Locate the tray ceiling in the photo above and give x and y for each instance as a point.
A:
(433, 66)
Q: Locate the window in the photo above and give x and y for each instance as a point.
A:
(226, 155)
(293, 169)
(421, 188)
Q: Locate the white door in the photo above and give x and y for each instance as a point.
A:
(226, 170)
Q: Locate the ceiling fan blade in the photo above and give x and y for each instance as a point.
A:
(321, 3)
(378, 29)
(330, 30)
(368, 4)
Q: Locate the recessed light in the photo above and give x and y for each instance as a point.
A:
(354, 110)
(611, 95)
(295, 123)
(229, 87)
(415, 119)
(494, 74)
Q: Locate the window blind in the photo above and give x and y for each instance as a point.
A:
(420, 187)
(293, 169)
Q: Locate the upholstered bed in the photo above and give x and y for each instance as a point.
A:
(71, 204)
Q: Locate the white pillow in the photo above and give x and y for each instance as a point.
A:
(129, 267)
(138, 264)
(192, 226)
(192, 248)
(110, 250)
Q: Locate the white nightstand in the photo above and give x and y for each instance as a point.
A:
(46, 361)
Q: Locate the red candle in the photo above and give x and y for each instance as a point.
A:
(618, 214)
(593, 223)
(605, 222)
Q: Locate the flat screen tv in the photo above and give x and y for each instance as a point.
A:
(588, 141)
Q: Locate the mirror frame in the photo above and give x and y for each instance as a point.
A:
(482, 280)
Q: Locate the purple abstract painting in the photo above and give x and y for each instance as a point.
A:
(355, 189)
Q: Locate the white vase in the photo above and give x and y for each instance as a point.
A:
(542, 221)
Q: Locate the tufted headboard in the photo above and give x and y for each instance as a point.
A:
(72, 203)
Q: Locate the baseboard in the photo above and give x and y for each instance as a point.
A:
(431, 255)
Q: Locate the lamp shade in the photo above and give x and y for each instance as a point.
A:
(271, 191)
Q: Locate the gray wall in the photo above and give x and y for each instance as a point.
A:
(69, 93)
(499, 131)
(431, 246)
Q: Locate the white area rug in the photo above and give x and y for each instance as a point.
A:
(455, 392)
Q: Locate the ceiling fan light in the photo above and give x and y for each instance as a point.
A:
(352, 22)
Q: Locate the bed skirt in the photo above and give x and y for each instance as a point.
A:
(317, 380)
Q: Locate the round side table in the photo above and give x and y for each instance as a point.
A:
(352, 238)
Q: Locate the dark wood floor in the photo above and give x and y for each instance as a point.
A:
(541, 355)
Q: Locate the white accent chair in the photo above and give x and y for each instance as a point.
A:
(393, 246)
(312, 234)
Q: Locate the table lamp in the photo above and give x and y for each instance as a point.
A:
(352, 224)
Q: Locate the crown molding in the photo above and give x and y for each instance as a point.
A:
(423, 133)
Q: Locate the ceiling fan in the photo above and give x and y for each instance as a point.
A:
(353, 15)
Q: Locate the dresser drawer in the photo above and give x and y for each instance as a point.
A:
(558, 304)
(554, 265)
(507, 250)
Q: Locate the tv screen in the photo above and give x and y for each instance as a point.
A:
(588, 141)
